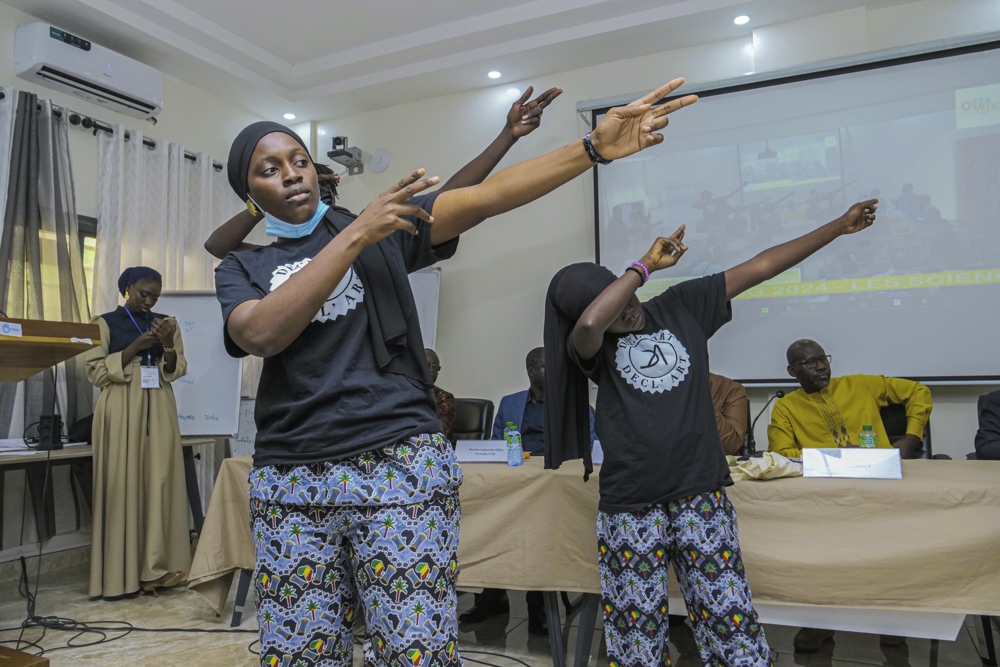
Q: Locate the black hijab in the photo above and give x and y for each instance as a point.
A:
(392, 314)
(567, 404)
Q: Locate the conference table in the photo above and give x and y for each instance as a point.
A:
(907, 557)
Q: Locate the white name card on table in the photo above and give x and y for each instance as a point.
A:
(854, 463)
(481, 451)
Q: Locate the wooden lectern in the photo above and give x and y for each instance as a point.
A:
(28, 347)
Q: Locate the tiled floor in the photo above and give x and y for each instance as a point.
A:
(63, 593)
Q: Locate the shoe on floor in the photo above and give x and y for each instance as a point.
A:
(483, 610)
(891, 640)
(809, 640)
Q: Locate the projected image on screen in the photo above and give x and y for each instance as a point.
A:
(915, 295)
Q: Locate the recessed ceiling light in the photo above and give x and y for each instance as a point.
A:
(494, 74)
(289, 116)
(740, 20)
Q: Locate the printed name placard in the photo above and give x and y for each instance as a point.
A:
(481, 451)
(10, 329)
(853, 463)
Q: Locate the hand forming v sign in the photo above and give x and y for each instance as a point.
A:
(525, 116)
(384, 214)
(632, 128)
(665, 252)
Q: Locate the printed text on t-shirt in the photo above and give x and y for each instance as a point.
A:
(652, 362)
(347, 295)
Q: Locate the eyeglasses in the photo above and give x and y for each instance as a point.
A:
(434, 367)
(815, 362)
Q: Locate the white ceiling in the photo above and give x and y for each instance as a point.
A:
(326, 58)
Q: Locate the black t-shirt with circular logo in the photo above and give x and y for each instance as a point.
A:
(324, 398)
(655, 418)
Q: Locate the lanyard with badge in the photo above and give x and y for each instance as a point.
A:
(149, 373)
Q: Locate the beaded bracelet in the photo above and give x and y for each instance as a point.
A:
(645, 271)
(642, 279)
(592, 153)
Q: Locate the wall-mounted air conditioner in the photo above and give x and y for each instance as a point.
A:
(54, 58)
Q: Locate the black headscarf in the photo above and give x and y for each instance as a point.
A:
(392, 314)
(132, 275)
(567, 405)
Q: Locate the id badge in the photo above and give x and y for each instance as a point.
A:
(150, 377)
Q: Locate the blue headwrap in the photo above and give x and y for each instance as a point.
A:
(134, 274)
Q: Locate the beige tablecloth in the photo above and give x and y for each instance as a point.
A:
(928, 542)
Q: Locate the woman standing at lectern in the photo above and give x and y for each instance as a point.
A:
(140, 532)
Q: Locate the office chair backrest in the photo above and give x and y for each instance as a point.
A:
(473, 419)
(894, 421)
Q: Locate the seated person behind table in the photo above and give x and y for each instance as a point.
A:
(445, 400)
(988, 435)
(731, 411)
(831, 411)
(525, 408)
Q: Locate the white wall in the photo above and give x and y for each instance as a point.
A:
(192, 117)
(492, 292)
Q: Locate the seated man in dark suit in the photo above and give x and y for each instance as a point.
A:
(988, 435)
(525, 408)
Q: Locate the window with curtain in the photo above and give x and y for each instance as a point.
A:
(88, 246)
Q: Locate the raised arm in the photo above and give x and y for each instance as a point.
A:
(773, 261)
(522, 119)
(265, 327)
(622, 132)
(606, 309)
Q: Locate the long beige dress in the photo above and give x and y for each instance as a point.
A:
(140, 501)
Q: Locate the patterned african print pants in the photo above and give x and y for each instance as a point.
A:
(698, 535)
(321, 563)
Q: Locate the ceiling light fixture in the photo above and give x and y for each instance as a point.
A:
(740, 20)
(494, 74)
(289, 116)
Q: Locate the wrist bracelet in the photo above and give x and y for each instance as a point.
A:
(642, 278)
(645, 271)
(170, 349)
(592, 153)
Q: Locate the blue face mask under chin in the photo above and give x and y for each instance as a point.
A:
(287, 230)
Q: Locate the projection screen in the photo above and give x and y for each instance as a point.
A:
(917, 295)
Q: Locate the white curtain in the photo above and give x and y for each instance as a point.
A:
(156, 208)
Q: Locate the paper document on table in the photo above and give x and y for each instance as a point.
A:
(852, 462)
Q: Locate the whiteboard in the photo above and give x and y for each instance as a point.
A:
(208, 397)
(426, 286)
(243, 443)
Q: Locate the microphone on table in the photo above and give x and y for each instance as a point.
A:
(751, 441)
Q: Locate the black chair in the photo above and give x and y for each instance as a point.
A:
(894, 421)
(473, 419)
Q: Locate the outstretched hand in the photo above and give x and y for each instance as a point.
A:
(632, 128)
(860, 216)
(665, 252)
(525, 116)
(384, 215)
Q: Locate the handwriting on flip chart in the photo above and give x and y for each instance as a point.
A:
(243, 443)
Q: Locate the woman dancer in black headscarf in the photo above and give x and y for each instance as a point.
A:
(140, 533)
(664, 469)
(354, 493)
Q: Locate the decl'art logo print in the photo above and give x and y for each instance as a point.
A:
(652, 362)
(348, 294)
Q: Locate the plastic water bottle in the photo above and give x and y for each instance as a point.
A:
(868, 439)
(506, 432)
(515, 455)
